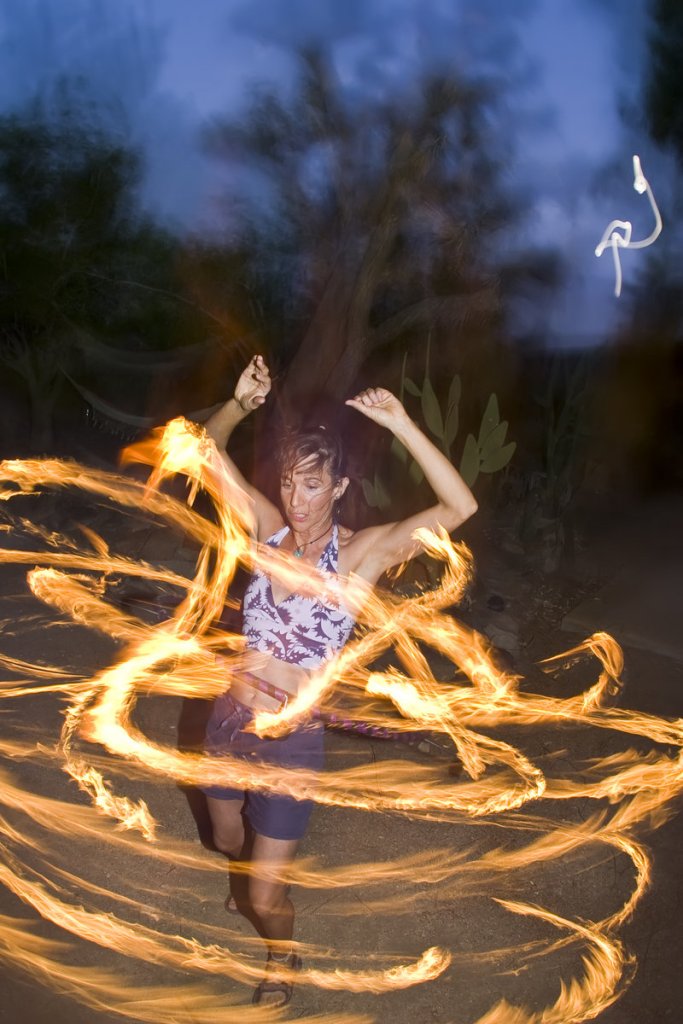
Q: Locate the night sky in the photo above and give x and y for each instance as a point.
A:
(158, 69)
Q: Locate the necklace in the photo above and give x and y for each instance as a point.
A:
(300, 548)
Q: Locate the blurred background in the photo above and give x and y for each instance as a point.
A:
(406, 193)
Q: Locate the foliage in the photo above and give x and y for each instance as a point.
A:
(487, 453)
(544, 491)
(664, 87)
(78, 259)
(61, 197)
(376, 218)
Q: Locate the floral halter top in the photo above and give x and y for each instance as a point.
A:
(300, 630)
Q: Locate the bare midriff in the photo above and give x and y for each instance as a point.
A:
(280, 674)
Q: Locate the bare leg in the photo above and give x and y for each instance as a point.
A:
(228, 826)
(273, 913)
(261, 896)
(229, 838)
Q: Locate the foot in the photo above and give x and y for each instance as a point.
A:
(278, 984)
(230, 905)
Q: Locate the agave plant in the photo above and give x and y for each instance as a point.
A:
(488, 452)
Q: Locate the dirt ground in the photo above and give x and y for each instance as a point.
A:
(365, 923)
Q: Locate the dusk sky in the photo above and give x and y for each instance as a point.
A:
(162, 67)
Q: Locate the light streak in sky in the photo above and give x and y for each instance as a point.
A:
(616, 241)
(70, 860)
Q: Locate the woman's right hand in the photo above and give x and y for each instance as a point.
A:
(253, 386)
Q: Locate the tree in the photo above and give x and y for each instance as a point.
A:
(640, 402)
(80, 263)
(67, 196)
(664, 85)
(373, 222)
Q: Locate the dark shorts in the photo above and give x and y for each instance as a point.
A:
(270, 814)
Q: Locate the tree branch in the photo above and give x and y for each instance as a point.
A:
(452, 308)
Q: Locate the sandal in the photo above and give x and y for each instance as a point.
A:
(284, 988)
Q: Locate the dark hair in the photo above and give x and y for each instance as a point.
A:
(318, 443)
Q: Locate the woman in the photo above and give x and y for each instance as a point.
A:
(289, 645)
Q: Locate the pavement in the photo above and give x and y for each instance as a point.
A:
(640, 606)
(369, 924)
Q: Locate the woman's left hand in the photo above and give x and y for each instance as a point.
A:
(379, 405)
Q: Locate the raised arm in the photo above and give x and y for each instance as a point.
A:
(251, 391)
(393, 543)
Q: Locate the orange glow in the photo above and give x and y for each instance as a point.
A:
(99, 741)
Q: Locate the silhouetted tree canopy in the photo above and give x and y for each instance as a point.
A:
(79, 260)
(664, 90)
(373, 221)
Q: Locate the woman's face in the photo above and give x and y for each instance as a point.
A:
(308, 493)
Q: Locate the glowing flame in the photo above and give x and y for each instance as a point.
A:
(189, 656)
